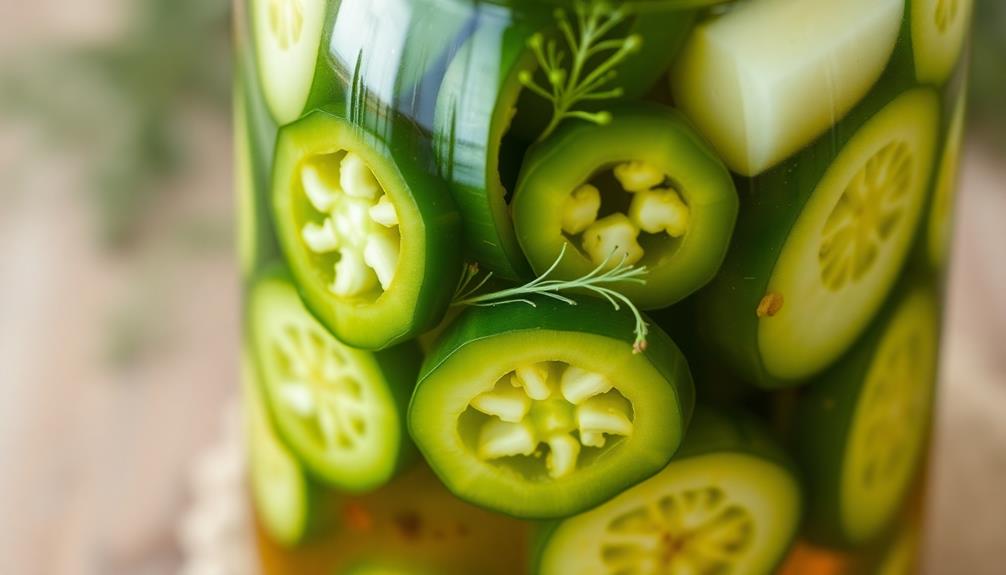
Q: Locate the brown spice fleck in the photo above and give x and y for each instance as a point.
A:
(409, 525)
(357, 517)
(770, 305)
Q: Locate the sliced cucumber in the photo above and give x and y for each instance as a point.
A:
(279, 487)
(287, 36)
(663, 197)
(255, 140)
(395, 52)
(474, 111)
(757, 97)
(822, 240)
(728, 502)
(862, 428)
(341, 410)
(938, 31)
(846, 249)
(244, 188)
(545, 411)
(941, 213)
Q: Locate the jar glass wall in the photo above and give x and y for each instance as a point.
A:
(587, 286)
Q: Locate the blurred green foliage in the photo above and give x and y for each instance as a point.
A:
(117, 104)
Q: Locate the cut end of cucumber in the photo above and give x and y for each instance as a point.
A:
(350, 225)
(756, 98)
(844, 252)
(891, 420)
(287, 39)
(331, 403)
(546, 421)
(715, 513)
(941, 214)
(278, 484)
(317, 387)
(539, 418)
(939, 28)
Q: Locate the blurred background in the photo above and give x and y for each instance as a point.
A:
(118, 288)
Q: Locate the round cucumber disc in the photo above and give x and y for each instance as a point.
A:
(545, 411)
(334, 405)
(888, 428)
(278, 485)
(723, 509)
(845, 250)
(287, 39)
(938, 31)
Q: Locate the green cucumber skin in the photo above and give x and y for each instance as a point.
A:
(549, 162)
(436, 30)
(261, 133)
(771, 203)
(590, 315)
(823, 422)
(326, 86)
(403, 146)
(715, 383)
(463, 155)
(398, 366)
(905, 51)
(663, 33)
(920, 262)
(710, 431)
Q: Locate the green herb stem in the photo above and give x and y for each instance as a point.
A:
(597, 282)
(566, 88)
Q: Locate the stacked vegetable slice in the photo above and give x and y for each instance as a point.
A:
(510, 185)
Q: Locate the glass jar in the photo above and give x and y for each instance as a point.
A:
(594, 287)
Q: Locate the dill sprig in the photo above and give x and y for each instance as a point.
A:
(565, 88)
(596, 281)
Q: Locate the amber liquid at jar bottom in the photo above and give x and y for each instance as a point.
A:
(576, 286)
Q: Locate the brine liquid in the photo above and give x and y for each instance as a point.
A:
(839, 122)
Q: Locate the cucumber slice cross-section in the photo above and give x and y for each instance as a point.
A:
(939, 28)
(848, 244)
(643, 189)
(340, 409)
(279, 486)
(862, 428)
(729, 502)
(287, 37)
(756, 98)
(540, 412)
(370, 233)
